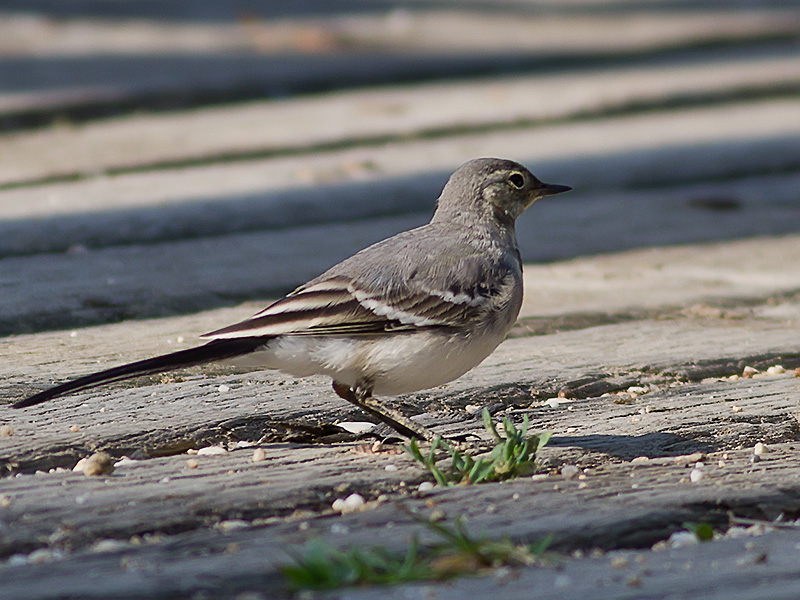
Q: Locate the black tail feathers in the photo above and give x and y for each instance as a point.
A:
(214, 350)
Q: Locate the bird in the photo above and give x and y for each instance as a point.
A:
(412, 312)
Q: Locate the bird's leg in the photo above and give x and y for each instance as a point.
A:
(362, 397)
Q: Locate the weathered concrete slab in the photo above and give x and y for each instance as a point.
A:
(723, 144)
(226, 525)
(89, 65)
(358, 117)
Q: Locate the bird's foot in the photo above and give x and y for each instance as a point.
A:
(362, 397)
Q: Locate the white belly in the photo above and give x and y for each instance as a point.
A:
(394, 365)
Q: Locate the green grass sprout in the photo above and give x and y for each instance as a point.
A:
(458, 553)
(513, 455)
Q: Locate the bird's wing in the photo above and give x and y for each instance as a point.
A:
(421, 278)
(339, 306)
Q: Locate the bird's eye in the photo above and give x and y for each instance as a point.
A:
(516, 180)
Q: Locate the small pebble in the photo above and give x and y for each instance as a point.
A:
(473, 409)
(109, 545)
(5, 501)
(232, 525)
(259, 455)
(759, 449)
(696, 475)
(425, 486)
(619, 562)
(6, 431)
(356, 427)
(74, 428)
(736, 409)
(681, 539)
(755, 458)
(192, 463)
(748, 372)
(391, 468)
(639, 460)
(638, 390)
(223, 388)
(353, 503)
(95, 465)
(776, 370)
(570, 471)
(694, 457)
(211, 451)
(42, 555)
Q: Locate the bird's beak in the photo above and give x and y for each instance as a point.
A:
(549, 189)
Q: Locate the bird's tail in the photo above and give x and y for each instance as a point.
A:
(214, 350)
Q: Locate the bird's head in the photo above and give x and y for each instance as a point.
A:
(492, 187)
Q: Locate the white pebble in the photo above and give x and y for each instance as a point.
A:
(109, 545)
(473, 409)
(232, 525)
(748, 372)
(776, 370)
(736, 409)
(638, 390)
(259, 455)
(43, 555)
(356, 427)
(570, 471)
(759, 449)
(425, 486)
(391, 467)
(696, 475)
(353, 503)
(681, 539)
(211, 451)
(552, 402)
(223, 388)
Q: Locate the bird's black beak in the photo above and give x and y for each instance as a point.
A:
(549, 189)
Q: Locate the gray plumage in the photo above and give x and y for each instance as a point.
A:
(408, 313)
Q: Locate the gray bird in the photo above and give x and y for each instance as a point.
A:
(412, 312)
